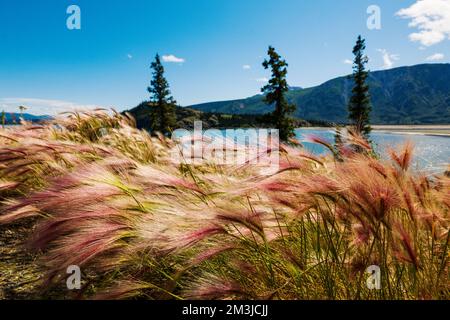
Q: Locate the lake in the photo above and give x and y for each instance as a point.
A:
(431, 153)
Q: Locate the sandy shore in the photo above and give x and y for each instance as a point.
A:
(435, 130)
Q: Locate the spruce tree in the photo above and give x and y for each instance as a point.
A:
(275, 92)
(162, 104)
(3, 118)
(22, 109)
(359, 107)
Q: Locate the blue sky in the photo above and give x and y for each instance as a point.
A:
(48, 67)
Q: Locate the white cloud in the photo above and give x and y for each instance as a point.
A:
(436, 57)
(388, 58)
(264, 80)
(431, 18)
(347, 61)
(43, 106)
(129, 56)
(172, 58)
(246, 67)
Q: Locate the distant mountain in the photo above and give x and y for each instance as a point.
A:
(408, 95)
(15, 117)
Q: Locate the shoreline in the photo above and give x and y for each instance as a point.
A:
(416, 133)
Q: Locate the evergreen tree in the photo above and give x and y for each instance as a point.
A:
(275, 92)
(162, 104)
(22, 109)
(359, 107)
(3, 118)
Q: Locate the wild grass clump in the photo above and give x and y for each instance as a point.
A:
(110, 199)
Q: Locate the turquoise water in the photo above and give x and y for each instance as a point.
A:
(431, 153)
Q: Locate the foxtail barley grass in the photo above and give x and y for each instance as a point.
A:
(109, 198)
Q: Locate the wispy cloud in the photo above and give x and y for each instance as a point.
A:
(129, 56)
(262, 80)
(388, 58)
(43, 106)
(431, 18)
(246, 67)
(173, 59)
(347, 61)
(436, 57)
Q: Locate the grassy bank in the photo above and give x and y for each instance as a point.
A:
(95, 192)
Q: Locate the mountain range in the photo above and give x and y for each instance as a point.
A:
(11, 117)
(417, 94)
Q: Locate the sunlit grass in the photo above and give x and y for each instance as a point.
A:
(111, 199)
